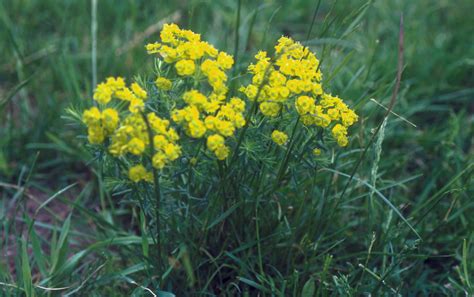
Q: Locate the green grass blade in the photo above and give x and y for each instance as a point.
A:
(26, 271)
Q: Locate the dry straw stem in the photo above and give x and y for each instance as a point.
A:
(394, 113)
(94, 41)
(138, 39)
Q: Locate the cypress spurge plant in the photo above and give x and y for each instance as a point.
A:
(213, 172)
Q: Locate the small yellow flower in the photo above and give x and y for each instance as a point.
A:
(185, 67)
(136, 146)
(91, 117)
(317, 89)
(279, 137)
(304, 104)
(224, 60)
(163, 83)
(225, 128)
(136, 105)
(95, 135)
(152, 48)
(270, 109)
(237, 104)
(138, 173)
(196, 128)
(339, 132)
(125, 94)
(193, 97)
(160, 142)
(172, 151)
(222, 152)
(103, 93)
(138, 91)
(317, 151)
(110, 120)
(159, 160)
(214, 142)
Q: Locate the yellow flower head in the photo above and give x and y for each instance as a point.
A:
(163, 83)
(224, 60)
(214, 142)
(136, 146)
(339, 132)
(270, 109)
(304, 105)
(159, 160)
(222, 152)
(196, 129)
(92, 116)
(138, 173)
(185, 67)
(153, 48)
(95, 135)
(110, 120)
(279, 137)
(103, 93)
(138, 91)
(172, 151)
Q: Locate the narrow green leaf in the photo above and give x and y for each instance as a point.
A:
(309, 288)
(26, 271)
(224, 215)
(60, 247)
(37, 252)
(465, 264)
(165, 294)
(53, 196)
(143, 228)
(253, 284)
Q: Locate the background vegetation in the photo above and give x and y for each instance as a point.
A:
(86, 239)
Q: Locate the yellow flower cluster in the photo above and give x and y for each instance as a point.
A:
(100, 124)
(188, 53)
(130, 135)
(327, 110)
(291, 81)
(164, 141)
(295, 74)
(116, 88)
(203, 115)
(214, 117)
(133, 137)
(294, 71)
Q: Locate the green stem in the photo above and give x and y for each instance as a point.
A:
(156, 188)
(158, 220)
(257, 231)
(252, 110)
(288, 153)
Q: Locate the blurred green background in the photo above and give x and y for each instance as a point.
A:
(427, 150)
